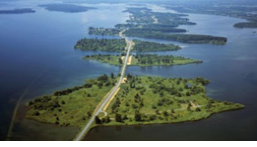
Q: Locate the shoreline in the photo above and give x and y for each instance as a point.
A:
(164, 123)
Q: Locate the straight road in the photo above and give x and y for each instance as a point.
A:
(122, 73)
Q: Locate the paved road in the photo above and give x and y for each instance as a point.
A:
(85, 129)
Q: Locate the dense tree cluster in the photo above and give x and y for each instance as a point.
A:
(185, 38)
(141, 46)
(151, 59)
(101, 44)
(103, 31)
(246, 25)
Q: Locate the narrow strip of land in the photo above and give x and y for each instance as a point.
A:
(106, 101)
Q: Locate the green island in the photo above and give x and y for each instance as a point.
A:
(73, 106)
(109, 45)
(18, 11)
(246, 25)
(243, 11)
(67, 8)
(103, 31)
(152, 100)
(145, 46)
(155, 25)
(140, 100)
(118, 45)
(142, 60)
(184, 38)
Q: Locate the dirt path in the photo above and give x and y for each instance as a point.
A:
(129, 60)
(109, 102)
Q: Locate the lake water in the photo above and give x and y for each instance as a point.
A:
(233, 74)
(37, 58)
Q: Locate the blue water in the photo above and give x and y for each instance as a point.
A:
(36, 53)
(233, 74)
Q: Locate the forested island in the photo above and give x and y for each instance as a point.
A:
(155, 25)
(143, 60)
(146, 46)
(246, 25)
(103, 31)
(117, 45)
(141, 100)
(69, 8)
(17, 11)
(244, 12)
(109, 45)
(184, 38)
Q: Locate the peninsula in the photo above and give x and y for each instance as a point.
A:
(140, 100)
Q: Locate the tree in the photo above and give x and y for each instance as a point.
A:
(89, 114)
(165, 113)
(118, 117)
(100, 85)
(125, 117)
(107, 119)
(198, 109)
(129, 76)
(103, 78)
(112, 75)
(98, 120)
(120, 61)
(152, 117)
(138, 116)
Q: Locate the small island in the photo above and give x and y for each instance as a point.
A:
(140, 100)
(103, 31)
(243, 11)
(17, 11)
(246, 25)
(155, 25)
(142, 60)
(69, 8)
(146, 46)
(118, 45)
(109, 45)
(184, 38)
